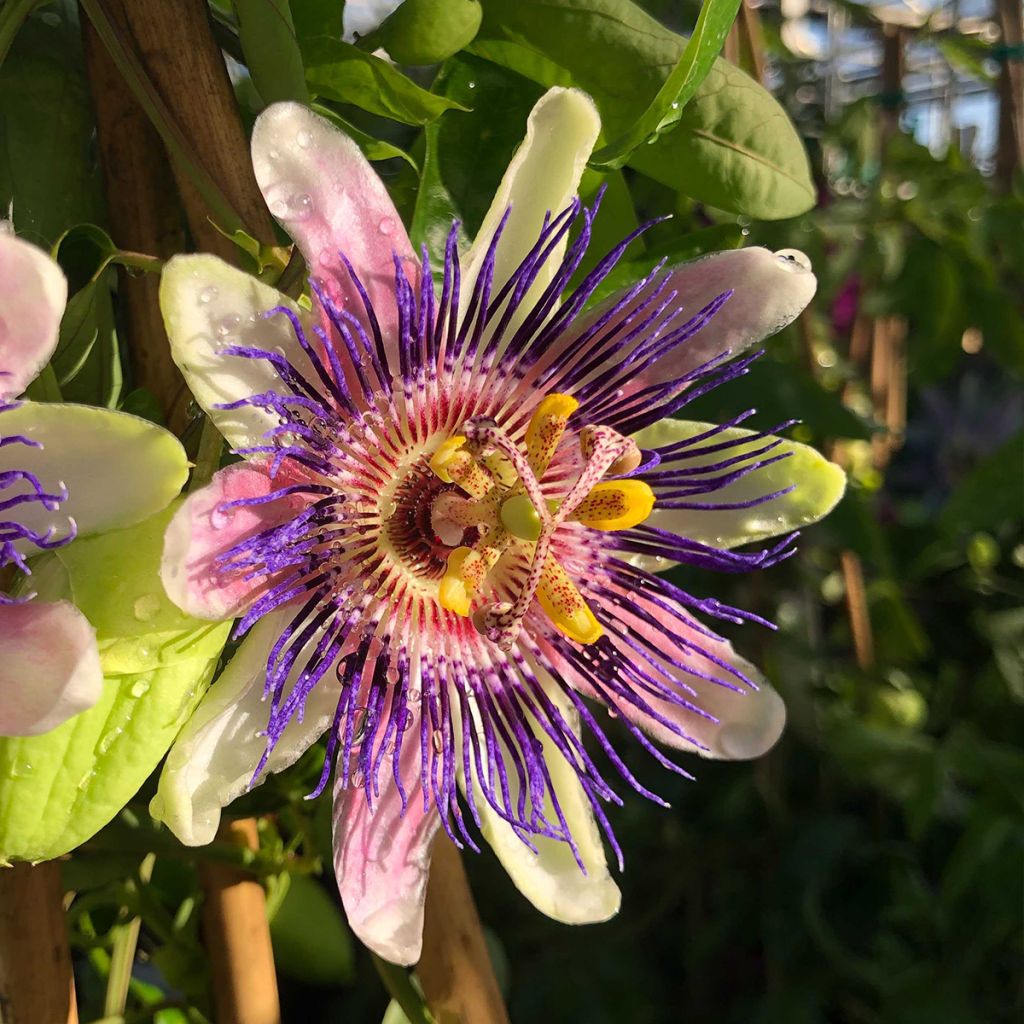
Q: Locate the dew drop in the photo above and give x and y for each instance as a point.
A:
(273, 154)
(278, 207)
(303, 139)
(20, 769)
(207, 295)
(140, 687)
(228, 324)
(84, 781)
(675, 104)
(472, 85)
(146, 607)
(325, 257)
(386, 226)
(300, 206)
(107, 740)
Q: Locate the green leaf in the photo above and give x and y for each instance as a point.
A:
(345, 73)
(733, 146)
(990, 496)
(466, 156)
(48, 174)
(311, 942)
(716, 16)
(373, 148)
(60, 788)
(267, 35)
(87, 361)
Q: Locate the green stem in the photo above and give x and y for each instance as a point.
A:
(134, 74)
(401, 988)
(12, 17)
(122, 955)
(211, 444)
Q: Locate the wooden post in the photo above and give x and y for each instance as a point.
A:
(455, 969)
(145, 216)
(37, 985)
(175, 44)
(857, 605)
(237, 938)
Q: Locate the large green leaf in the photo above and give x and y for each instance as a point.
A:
(47, 171)
(271, 50)
(60, 788)
(344, 73)
(733, 146)
(716, 16)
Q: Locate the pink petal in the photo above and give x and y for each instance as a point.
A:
(326, 195)
(738, 722)
(382, 861)
(33, 292)
(49, 666)
(202, 529)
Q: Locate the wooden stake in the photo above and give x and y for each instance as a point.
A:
(857, 604)
(455, 969)
(237, 938)
(37, 985)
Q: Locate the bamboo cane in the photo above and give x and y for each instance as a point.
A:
(455, 969)
(37, 985)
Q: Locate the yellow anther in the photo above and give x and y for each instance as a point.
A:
(546, 428)
(466, 570)
(520, 517)
(454, 465)
(615, 505)
(440, 459)
(565, 606)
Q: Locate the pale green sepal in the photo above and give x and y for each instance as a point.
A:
(118, 469)
(58, 789)
(819, 484)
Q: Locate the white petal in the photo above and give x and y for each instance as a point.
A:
(33, 292)
(207, 304)
(542, 178)
(118, 469)
(213, 759)
(49, 666)
(551, 879)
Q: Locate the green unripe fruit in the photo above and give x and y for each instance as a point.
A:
(430, 31)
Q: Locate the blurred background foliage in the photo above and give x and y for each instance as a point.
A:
(870, 869)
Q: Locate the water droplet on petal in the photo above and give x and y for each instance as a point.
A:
(273, 154)
(794, 259)
(303, 139)
(208, 295)
(386, 226)
(146, 607)
(300, 206)
(140, 687)
(325, 257)
(278, 207)
(227, 324)
(220, 516)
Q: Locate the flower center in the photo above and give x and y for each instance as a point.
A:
(499, 495)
